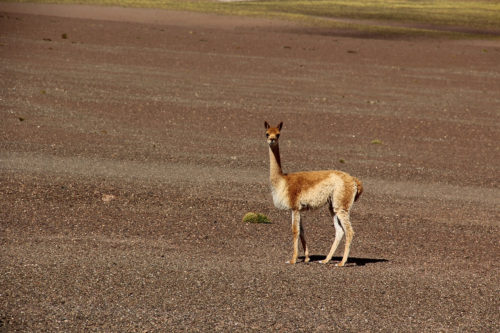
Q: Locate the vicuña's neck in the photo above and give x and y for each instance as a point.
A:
(275, 163)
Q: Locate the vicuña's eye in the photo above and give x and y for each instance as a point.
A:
(267, 135)
(277, 136)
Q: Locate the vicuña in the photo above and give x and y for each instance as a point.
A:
(308, 190)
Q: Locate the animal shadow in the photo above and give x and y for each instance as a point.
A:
(351, 261)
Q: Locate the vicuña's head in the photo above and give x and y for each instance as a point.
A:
(273, 133)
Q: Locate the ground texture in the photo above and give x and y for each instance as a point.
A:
(132, 145)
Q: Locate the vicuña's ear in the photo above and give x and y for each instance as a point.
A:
(280, 126)
(266, 124)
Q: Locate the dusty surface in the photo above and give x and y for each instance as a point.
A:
(130, 151)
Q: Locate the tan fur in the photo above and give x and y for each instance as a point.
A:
(308, 190)
(359, 187)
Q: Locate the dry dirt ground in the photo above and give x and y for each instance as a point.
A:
(133, 144)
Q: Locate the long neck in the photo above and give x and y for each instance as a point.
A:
(275, 163)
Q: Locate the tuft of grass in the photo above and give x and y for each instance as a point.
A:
(255, 218)
(64, 36)
(376, 142)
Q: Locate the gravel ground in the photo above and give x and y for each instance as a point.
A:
(132, 144)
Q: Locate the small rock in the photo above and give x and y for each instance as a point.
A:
(107, 197)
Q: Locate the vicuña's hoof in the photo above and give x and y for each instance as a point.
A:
(323, 262)
(292, 262)
(306, 260)
(339, 264)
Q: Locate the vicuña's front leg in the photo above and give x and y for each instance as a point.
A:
(296, 234)
(304, 245)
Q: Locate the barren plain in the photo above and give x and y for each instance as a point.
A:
(132, 144)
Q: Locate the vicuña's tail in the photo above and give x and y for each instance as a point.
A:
(359, 186)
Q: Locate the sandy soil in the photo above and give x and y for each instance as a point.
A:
(131, 148)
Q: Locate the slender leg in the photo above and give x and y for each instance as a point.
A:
(346, 224)
(304, 245)
(339, 233)
(296, 233)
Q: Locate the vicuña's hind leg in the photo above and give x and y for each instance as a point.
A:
(349, 234)
(304, 245)
(339, 233)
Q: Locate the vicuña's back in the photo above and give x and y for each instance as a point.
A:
(308, 190)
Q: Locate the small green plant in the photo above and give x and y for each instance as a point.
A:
(376, 142)
(256, 218)
(342, 161)
(64, 36)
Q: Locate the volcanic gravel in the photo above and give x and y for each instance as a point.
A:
(132, 144)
